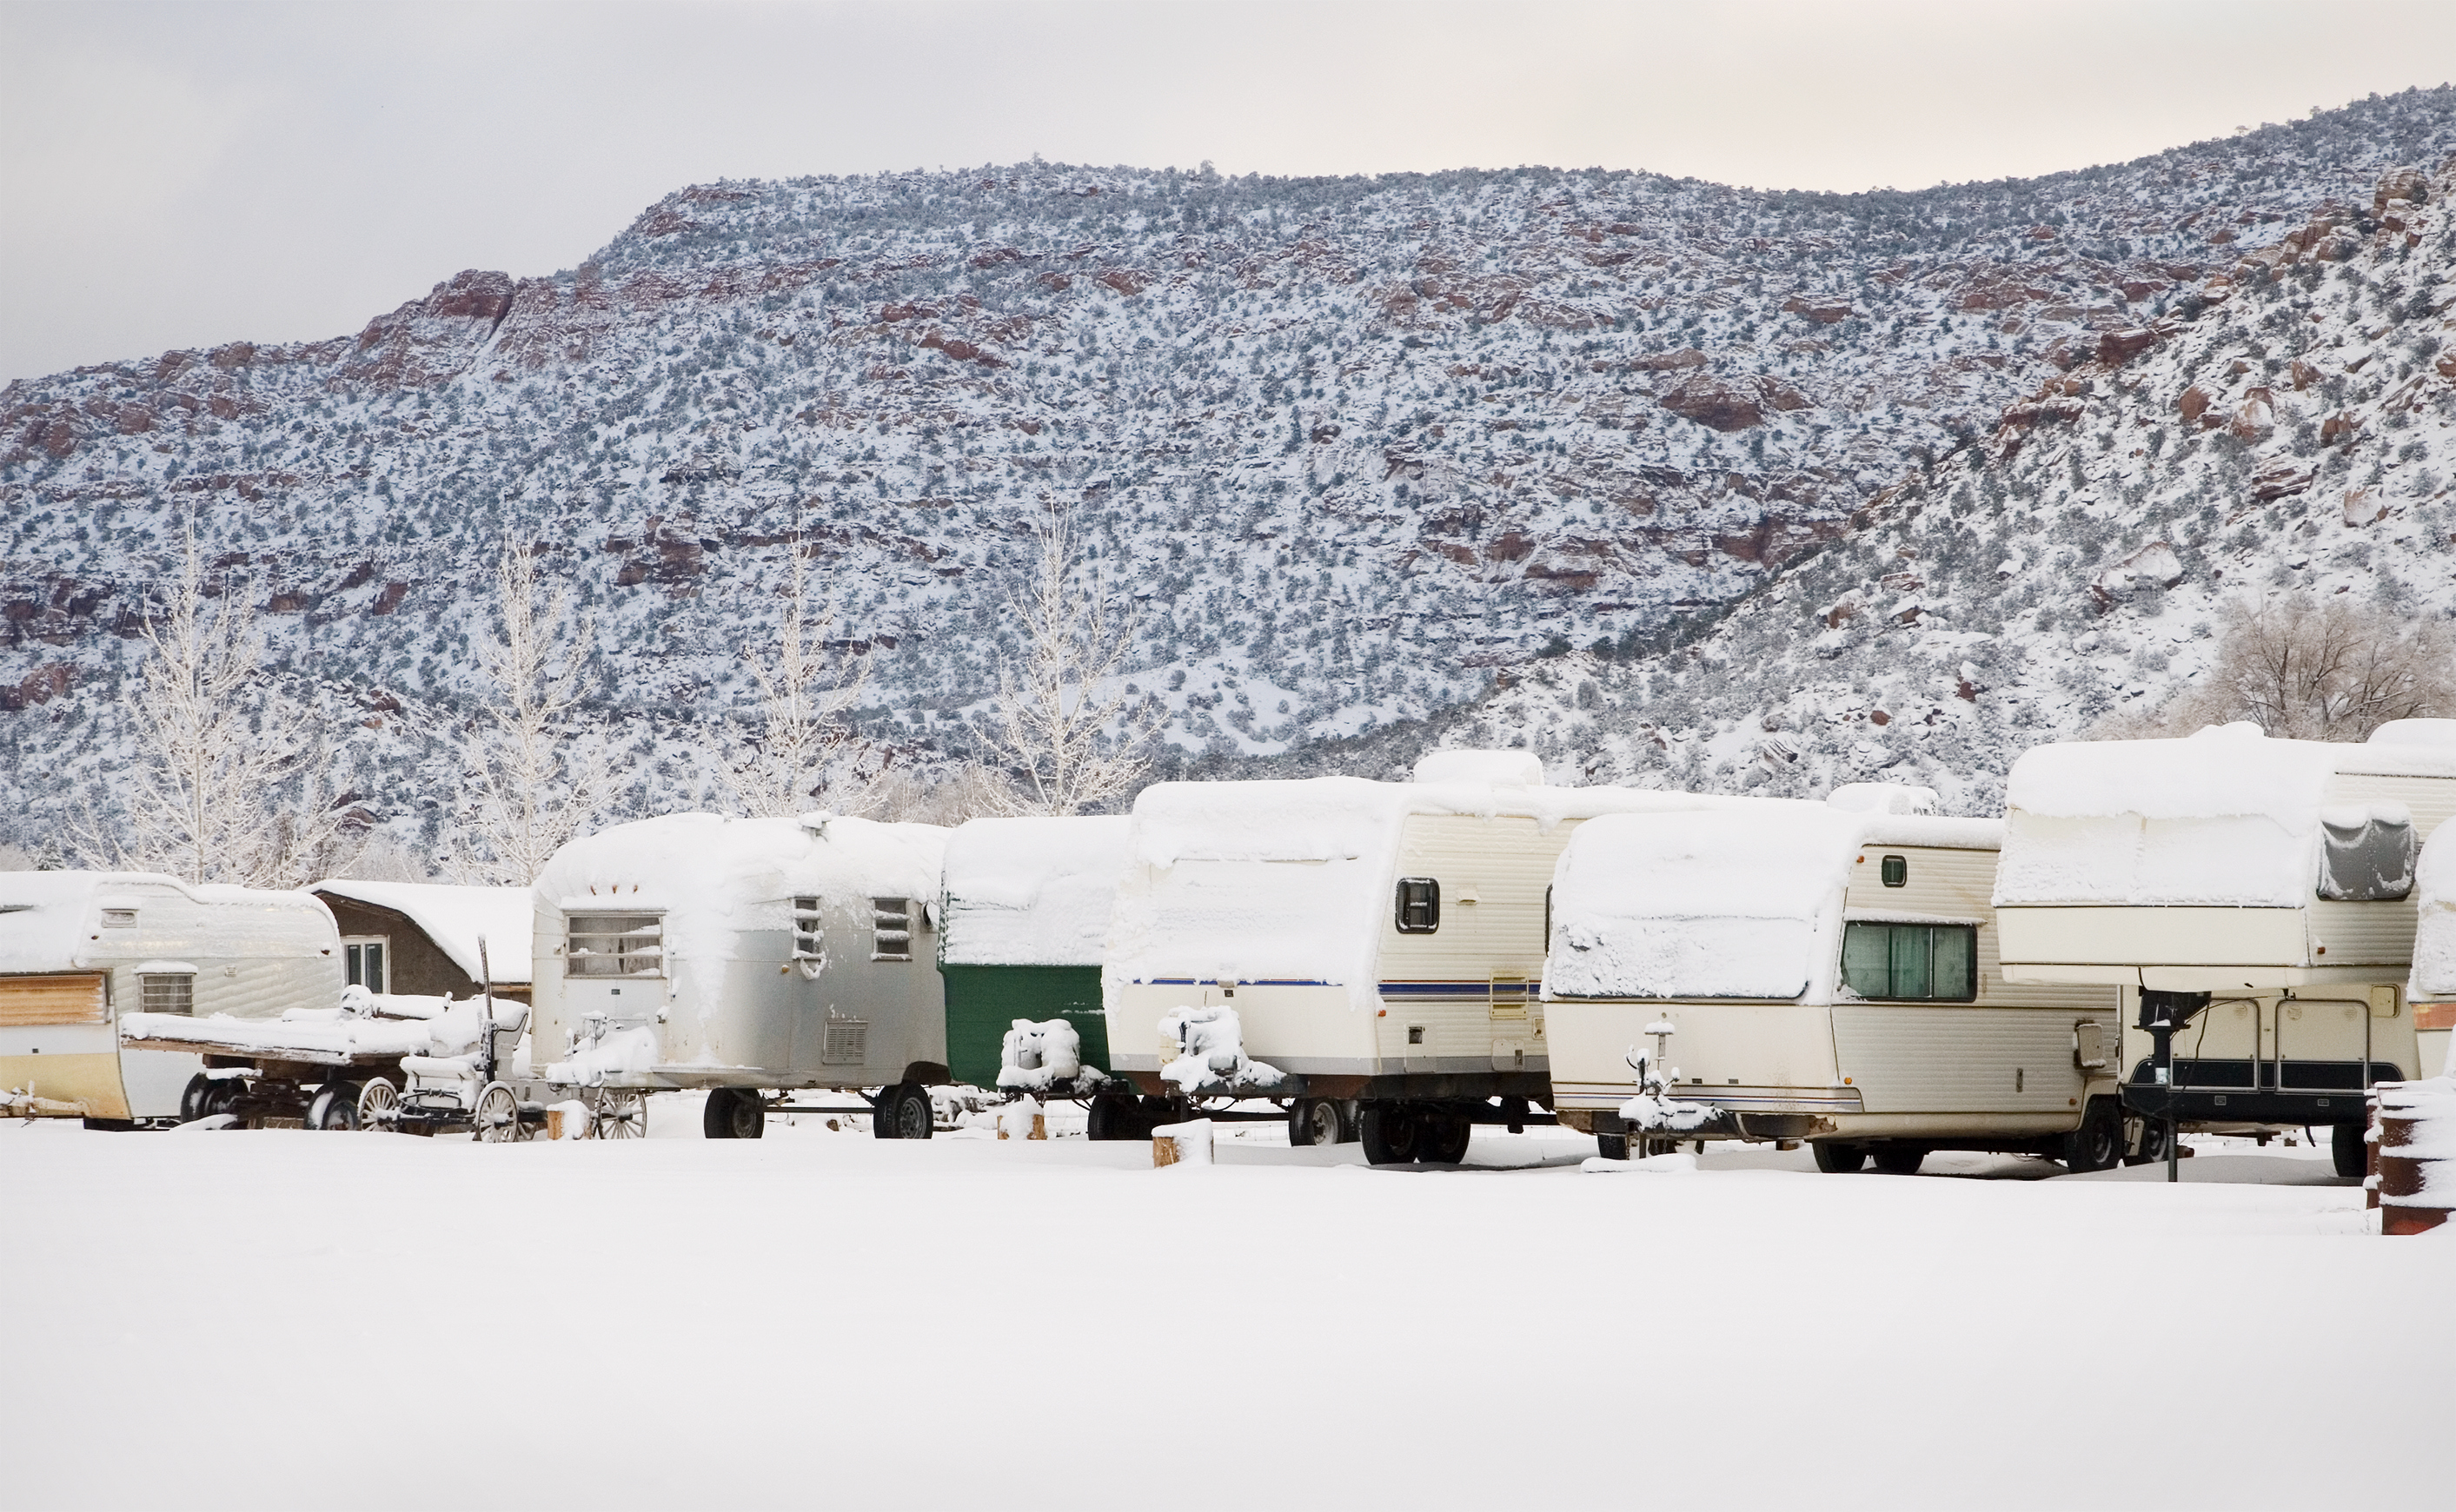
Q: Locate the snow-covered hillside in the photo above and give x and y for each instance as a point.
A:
(1360, 448)
(2288, 423)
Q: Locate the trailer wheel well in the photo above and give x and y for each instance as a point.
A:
(927, 1073)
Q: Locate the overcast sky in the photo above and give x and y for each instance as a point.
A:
(184, 174)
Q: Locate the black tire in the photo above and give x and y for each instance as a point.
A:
(1896, 1159)
(2349, 1149)
(1835, 1158)
(218, 1097)
(1445, 1137)
(1393, 1132)
(734, 1112)
(1111, 1118)
(2153, 1143)
(1317, 1121)
(904, 1113)
(192, 1097)
(335, 1106)
(2098, 1144)
(1612, 1146)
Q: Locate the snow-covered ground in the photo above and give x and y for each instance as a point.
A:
(285, 1318)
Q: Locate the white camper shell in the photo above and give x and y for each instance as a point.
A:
(741, 955)
(2256, 894)
(1378, 946)
(2432, 990)
(1815, 974)
(79, 948)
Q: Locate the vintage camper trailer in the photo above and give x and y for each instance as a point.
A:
(744, 955)
(1023, 910)
(78, 949)
(2254, 894)
(2432, 988)
(1380, 944)
(1817, 974)
(421, 938)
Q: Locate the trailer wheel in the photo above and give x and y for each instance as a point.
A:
(1896, 1159)
(378, 1106)
(218, 1096)
(495, 1119)
(618, 1114)
(1317, 1121)
(192, 1097)
(1112, 1117)
(734, 1112)
(904, 1113)
(2348, 1148)
(1392, 1132)
(1612, 1146)
(2098, 1144)
(1445, 1137)
(1835, 1158)
(335, 1107)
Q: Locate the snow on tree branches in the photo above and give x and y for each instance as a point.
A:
(531, 787)
(1053, 717)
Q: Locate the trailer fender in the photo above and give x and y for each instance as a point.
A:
(927, 1073)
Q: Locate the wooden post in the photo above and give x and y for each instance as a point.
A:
(1186, 1144)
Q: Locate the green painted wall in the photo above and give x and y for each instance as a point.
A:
(983, 1002)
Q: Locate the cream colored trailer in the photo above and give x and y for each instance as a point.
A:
(2256, 894)
(2432, 988)
(79, 948)
(1381, 943)
(1826, 975)
(742, 956)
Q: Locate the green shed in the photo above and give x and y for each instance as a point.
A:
(1024, 910)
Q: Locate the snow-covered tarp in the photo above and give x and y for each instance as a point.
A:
(1287, 881)
(430, 1026)
(455, 918)
(2435, 934)
(1036, 1056)
(1031, 891)
(1739, 903)
(2226, 817)
(52, 921)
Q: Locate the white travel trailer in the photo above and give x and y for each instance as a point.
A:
(1820, 973)
(1380, 946)
(78, 949)
(2254, 895)
(741, 955)
(2432, 988)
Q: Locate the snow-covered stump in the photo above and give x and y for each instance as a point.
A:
(567, 1120)
(2415, 1155)
(1182, 1144)
(1023, 1119)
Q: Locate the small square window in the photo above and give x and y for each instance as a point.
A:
(119, 918)
(891, 928)
(1896, 871)
(166, 993)
(1420, 905)
(809, 933)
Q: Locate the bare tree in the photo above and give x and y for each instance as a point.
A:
(803, 691)
(231, 788)
(531, 787)
(967, 792)
(1054, 722)
(2304, 670)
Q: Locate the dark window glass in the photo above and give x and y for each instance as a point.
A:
(1420, 905)
(1896, 871)
(1911, 962)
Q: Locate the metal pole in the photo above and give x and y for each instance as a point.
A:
(486, 983)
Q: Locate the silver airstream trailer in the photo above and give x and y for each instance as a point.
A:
(743, 956)
(80, 948)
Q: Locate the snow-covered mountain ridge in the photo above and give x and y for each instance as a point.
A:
(1356, 446)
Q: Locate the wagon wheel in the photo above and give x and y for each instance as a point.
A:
(617, 1115)
(335, 1107)
(378, 1106)
(497, 1118)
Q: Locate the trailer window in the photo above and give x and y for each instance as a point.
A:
(891, 928)
(166, 992)
(2366, 856)
(1420, 905)
(1895, 871)
(1911, 962)
(809, 933)
(615, 945)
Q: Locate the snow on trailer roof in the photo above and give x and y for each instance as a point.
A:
(1719, 902)
(455, 918)
(1282, 881)
(713, 876)
(2435, 934)
(48, 919)
(2225, 817)
(1031, 891)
